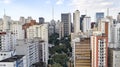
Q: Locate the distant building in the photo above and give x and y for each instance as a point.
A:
(93, 25)
(61, 30)
(38, 31)
(99, 16)
(76, 21)
(15, 61)
(81, 22)
(22, 20)
(57, 26)
(114, 57)
(66, 20)
(118, 18)
(115, 36)
(82, 53)
(51, 27)
(41, 20)
(27, 25)
(86, 24)
(28, 19)
(17, 30)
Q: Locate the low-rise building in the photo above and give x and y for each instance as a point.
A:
(15, 61)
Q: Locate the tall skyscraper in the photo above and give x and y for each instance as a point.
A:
(76, 21)
(82, 53)
(86, 24)
(66, 20)
(99, 16)
(99, 48)
(116, 36)
(41, 20)
(81, 22)
(118, 18)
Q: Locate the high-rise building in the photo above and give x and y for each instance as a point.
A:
(61, 30)
(34, 50)
(41, 20)
(27, 25)
(51, 27)
(7, 45)
(6, 23)
(99, 46)
(81, 22)
(99, 16)
(118, 18)
(115, 36)
(82, 53)
(86, 24)
(16, 28)
(76, 21)
(39, 31)
(114, 57)
(22, 20)
(66, 20)
(28, 19)
(57, 26)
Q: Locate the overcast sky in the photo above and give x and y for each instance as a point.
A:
(43, 8)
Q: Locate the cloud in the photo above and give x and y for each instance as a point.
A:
(93, 6)
(6, 1)
(59, 2)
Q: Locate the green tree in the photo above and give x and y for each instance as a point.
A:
(56, 65)
(60, 58)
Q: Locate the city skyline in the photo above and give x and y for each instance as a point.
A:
(40, 8)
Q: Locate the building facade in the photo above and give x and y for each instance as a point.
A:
(76, 21)
(99, 16)
(82, 53)
(86, 24)
(33, 49)
(114, 57)
(99, 46)
(66, 20)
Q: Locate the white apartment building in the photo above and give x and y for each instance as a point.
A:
(116, 36)
(76, 21)
(33, 49)
(16, 28)
(38, 31)
(86, 24)
(15, 61)
(7, 45)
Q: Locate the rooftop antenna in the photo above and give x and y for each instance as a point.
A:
(53, 12)
(107, 11)
(4, 12)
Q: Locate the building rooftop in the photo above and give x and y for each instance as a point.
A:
(12, 59)
(116, 49)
